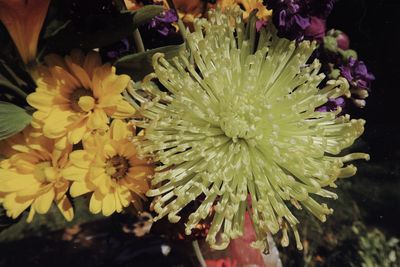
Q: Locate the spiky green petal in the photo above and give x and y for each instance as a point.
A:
(237, 122)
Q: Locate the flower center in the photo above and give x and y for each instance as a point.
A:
(44, 172)
(117, 167)
(238, 122)
(81, 100)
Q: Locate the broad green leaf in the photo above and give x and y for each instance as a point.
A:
(145, 14)
(13, 119)
(139, 65)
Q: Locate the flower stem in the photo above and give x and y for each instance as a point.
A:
(136, 34)
(138, 41)
(199, 255)
(181, 26)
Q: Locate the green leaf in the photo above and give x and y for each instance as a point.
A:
(139, 65)
(13, 119)
(11, 81)
(145, 14)
(54, 27)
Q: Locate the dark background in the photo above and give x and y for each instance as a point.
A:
(374, 29)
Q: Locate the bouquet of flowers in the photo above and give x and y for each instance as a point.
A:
(223, 116)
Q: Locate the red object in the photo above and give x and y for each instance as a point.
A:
(240, 248)
(221, 263)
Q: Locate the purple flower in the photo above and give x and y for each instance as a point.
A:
(356, 74)
(290, 18)
(116, 50)
(163, 22)
(332, 104)
(297, 19)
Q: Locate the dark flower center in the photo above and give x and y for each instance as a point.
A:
(117, 167)
(76, 95)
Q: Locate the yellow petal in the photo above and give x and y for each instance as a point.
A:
(70, 83)
(79, 188)
(100, 74)
(102, 182)
(30, 215)
(118, 205)
(14, 206)
(79, 73)
(30, 191)
(110, 102)
(77, 131)
(95, 203)
(141, 172)
(50, 174)
(11, 181)
(124, 195)
(109, 150)
(127, 149)
(134, 161)
(53, 60)
(108, 205)
(74, 173)
(61, 143)
(56, 123)
(65, 207)
(77, 56)
(43, 203)
(41, 100)
(98, 120)
(119, 130)
(116, 84)
(92, 61)
(123, 110)
(80, 158)
(86, 103)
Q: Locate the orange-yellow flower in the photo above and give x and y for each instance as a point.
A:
(31, 176)
(188, 10)
(247, 6)
(24, 20)
(76, 95)
(109, 169)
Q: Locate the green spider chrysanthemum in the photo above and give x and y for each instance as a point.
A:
(239, 119)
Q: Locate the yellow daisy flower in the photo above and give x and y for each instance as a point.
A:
(109, 168)
(24, 20)
(31, 176)
(76, 95)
